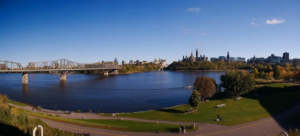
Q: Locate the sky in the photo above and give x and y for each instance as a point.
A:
(90, 31)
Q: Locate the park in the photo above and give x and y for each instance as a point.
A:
(257, 101)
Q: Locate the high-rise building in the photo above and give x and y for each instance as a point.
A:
(286, 56)
(116, 61)
(197, 53)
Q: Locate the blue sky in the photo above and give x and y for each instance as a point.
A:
(94, 30)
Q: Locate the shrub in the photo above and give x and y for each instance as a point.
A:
(98, 112)
(39, 107)
(78, 111)
(90, 111)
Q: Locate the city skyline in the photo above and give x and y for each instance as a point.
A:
(93, 31)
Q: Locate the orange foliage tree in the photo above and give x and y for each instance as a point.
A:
(205, 86)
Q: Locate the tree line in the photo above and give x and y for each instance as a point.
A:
(286, 72)
(223, 65)
(129, 68)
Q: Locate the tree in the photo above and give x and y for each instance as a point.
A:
(287, 66)
(237, 82)
(205, 86)
(262, 75)
(195, 99)
(255, 72)
(270, 75)
(279, 72)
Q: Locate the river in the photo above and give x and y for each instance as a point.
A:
(114, 93)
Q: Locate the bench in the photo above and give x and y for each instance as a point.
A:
(221, 105)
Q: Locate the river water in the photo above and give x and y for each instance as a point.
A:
(114, 93)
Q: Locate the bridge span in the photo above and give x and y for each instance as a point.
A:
(61, 66)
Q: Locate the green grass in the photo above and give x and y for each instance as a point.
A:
(17, 103)
(293, 120)
(115, 124)
(273, 99)
(139, 126)
(278, 85)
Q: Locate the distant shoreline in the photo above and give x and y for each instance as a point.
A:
(199, 70)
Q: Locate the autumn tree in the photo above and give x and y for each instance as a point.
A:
(287, 66)
(205, 86)
(255, 73)
(270, 75)
(195, 99)
(237, 82)
(279, 72)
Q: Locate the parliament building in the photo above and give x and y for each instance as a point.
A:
(194, 59)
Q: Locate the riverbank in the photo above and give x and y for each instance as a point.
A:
(111, 123)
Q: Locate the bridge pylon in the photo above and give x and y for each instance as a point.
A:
(25, 78)
(63, 76)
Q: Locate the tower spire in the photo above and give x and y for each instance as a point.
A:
(197, 55)
(228, 56)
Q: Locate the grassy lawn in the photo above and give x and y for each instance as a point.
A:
(17, 103)
(119, 125)
(293, 120)
(272, 99)
(139, 126)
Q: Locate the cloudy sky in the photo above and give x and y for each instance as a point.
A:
(95, 30)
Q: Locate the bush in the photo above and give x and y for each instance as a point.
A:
(14, 121)
(292, 132)
(90, 111)
(98, 112)
(78, 111)
(39, 107)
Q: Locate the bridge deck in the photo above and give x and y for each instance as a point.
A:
(46, 70)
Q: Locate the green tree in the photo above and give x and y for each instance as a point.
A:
(237, 82)
(195, 99)
(205, 86)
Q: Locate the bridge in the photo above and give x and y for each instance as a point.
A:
(61, 66)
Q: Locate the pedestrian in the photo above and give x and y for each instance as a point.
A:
(184, 129)
(32, 109)
(180, 130)
(218, 116)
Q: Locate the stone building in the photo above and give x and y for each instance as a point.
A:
(194, 59)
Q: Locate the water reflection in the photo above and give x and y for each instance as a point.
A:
(63, 84)
(25, 88)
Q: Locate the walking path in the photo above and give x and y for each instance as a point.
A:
(262, 127)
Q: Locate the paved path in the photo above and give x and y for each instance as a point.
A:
(262, 127)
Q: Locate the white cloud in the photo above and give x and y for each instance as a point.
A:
(193, 9)
(275, 21)
(198, 44)
(255, 24)
(185, 33)
(203, 33)
(185, 29)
